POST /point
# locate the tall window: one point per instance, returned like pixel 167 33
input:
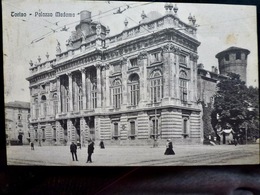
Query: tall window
pixel 36 107
pixel 134 89
pixel 185 126
pixel 156 86
pixel 54 134
pixel 155 126
pixel 80 99
pixel 55 104
pixel 43 134
pixel 183 86
pixel 133 62
pixel 227 57
pixel 94 95
pixel 44 107
pixel 132 129
pixel 182 59
pixel 117 93
pixel 238 56
pixel 67 100
pixel 116 132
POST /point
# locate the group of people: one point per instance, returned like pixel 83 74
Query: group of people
pixel 73 150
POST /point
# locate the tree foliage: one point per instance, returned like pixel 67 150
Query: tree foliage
pixel 235 103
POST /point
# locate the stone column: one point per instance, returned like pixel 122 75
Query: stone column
pixel 70 92
pixel 98 68
pixel 84 98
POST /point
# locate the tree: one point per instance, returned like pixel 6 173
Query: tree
pixel 232 103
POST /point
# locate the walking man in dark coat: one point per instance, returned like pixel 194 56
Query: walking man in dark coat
pixel 73 150
pixel 90 150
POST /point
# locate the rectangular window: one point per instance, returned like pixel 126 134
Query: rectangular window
pixel 132 128
pixel 94 99
pixel 44 109
pixel 133 62
pixel 117 97
pixel 182 59
pixel 238 56
pixel 183 90
pixel 155 57
pixel 43 133
pixel 55 106
pixel 156 90
pixel 116 132
pixel 54 133
pixel 134 90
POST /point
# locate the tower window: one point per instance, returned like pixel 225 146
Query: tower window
pixel 238 56
pixel 227 57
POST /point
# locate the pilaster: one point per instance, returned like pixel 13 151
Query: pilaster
pixel 107 96
pixel 58 94
pixel 98 68
pixel 124 82
pixel 143 58
pixel 88 91
pixel 83 78
pixel 70 92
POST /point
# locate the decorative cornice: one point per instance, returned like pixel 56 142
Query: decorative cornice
pixel 143 55
pixel 171 48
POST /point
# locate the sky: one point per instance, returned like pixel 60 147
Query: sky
pixel 26 38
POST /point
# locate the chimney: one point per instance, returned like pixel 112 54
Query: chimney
pixel 212 68
pixel 85 16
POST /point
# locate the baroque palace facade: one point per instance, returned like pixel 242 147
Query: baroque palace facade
pixel 135 86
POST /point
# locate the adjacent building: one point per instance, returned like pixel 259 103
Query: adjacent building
pixel 17 116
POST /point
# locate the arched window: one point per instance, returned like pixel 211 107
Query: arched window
pixel 80 99
pixel 183 86
pixel 55 103
pixel 156 86
pixel 117 93
pixel 44 106
pixel 134 88
pixel 36 108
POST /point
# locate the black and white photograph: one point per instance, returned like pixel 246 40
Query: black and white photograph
pixel 121 83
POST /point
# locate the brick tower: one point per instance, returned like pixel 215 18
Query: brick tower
pixel 233 59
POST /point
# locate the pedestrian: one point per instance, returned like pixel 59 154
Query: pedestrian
pixel 73 150
pixel 32 145
pixel 90 150
pixel 169 150
pixel 102 145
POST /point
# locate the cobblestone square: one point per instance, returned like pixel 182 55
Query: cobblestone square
pixel 186 155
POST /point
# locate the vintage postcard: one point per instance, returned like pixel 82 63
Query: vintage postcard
pixel 106 83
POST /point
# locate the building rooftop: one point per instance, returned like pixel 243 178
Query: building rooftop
pixel 232 49
pixel 18 104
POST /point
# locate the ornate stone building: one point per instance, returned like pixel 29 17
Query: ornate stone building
pixel 127 88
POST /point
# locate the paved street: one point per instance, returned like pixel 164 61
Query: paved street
pixel 135 155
